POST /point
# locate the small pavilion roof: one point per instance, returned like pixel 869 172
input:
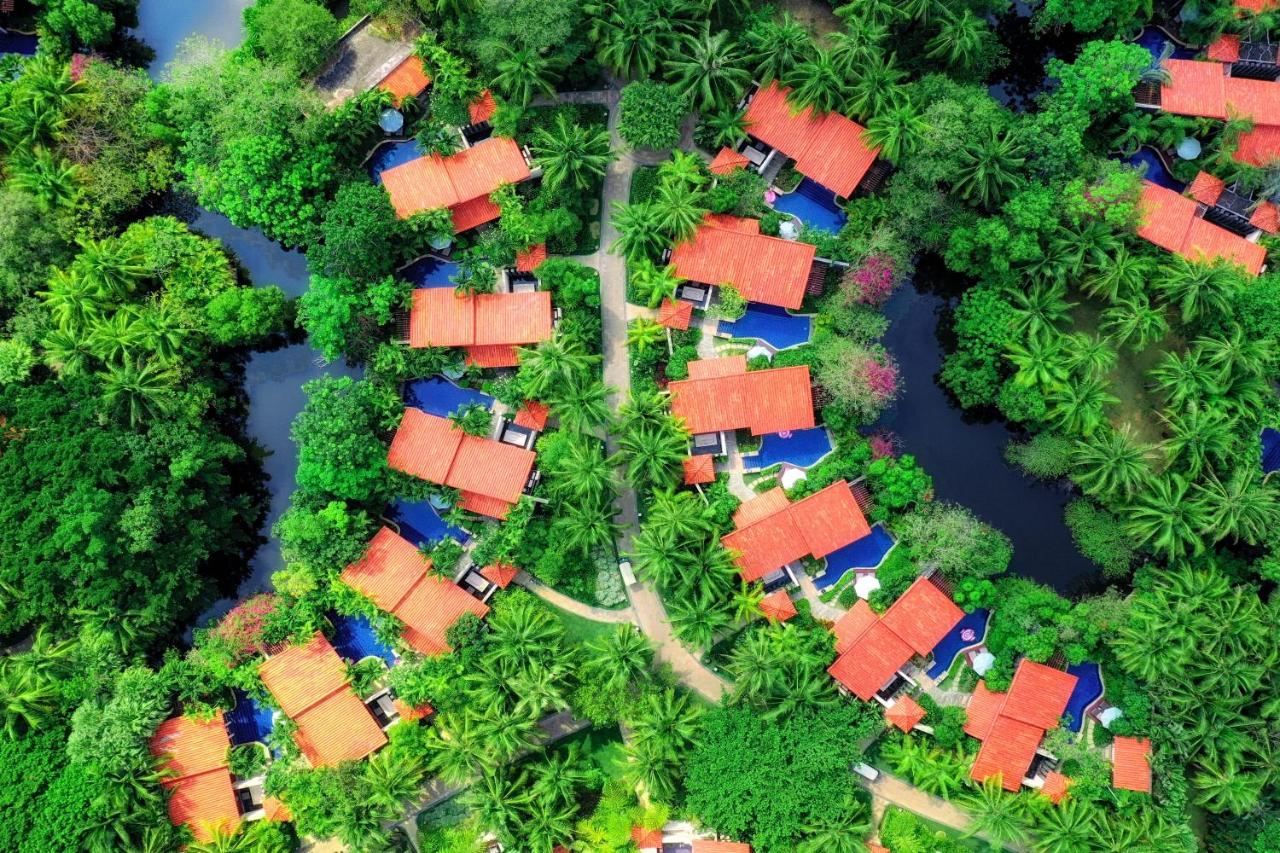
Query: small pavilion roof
pixel 501 574
pixel 763 401
pixel 1055 786
pixel 482 108
pixel 533 415
pixel 645 839
pixel 699 470
pixel 1131 764
pixel 905 713
pixel 707 845
pixel 1226 48
pixel 816 525
pixel 407 79
pixel 675 314
pixel 1206 188
pixel 1267 217
pixel 412 713
pixel 433 182
pixel 531 258
pixel 726 160
pixel 777 606
pixel 762 268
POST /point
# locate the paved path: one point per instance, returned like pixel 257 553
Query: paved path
pixel 573 605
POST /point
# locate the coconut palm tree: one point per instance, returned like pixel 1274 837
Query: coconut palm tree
pixel 28 699
pixel 456 748
pixel 548 822
pixel 393 776
pixel 1164 517
pixel 72 301
pixel 1042 309
pixel 552 364
pixel 1226 786
pixel 697 619
pixel 998 815
pixel 112 267
pixel 1080 246
pixel 506 734
pixel 39 103
pixel 520 634
pixel 668 719
pixel 1198 435
pixel 653 454
pixel 160 331
pixel 1118 275
pixel 1238 353
pixel 839 831
pixel 621 658
pixel 1243 507
pixel 585 526
pixel 653 283
pixel 679 210
pixel 680 512
pixel 683 168
pixel 643 407
pixel 640 236
pixel 112 339
pixel 1090 355
pixel 652 768
pixel 961 40
pixel 1185 379
pixel 522 73
pixel 1198 289
pixel 708 69
pixel 1134 322
pixel 920 11
pixel 1111 463
pixel 1066 828
pixel 876 87
pixel 988 169
pixel 860 43
pixel 53 181
pixel 1079 406
pixel 898 131
pixel 582 404
pixel 643 334
pixel 753 663
pixel 1040 362
pixel 498 798
pixel 571 155
pixel 142 389
pixel 746 601
pixel 541 688
pixel 628 38
pixel 726 128
pixel 774 49
pixel 660 556
pixel 818 82
pixel 881 12
pixel 581 473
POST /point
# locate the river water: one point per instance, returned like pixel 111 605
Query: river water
pixel 273 380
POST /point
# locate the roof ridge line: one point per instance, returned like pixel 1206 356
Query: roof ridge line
pixel 345 685
pixel 173 780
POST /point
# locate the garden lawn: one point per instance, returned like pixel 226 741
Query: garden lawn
pixel 578 629
pixel 958 839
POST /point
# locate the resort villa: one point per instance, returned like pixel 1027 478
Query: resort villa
pixel 202 792
pixel 1012 725
pixel 874 649
pixel 460 182
pixel 1131 764
pixel 772 534
pixel 397 578
pixel 1190 226
pixel 721 396
pixel 488 326
pixel 490 475
pixel 311 685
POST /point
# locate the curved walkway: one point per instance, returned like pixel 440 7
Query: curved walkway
pixel 573 605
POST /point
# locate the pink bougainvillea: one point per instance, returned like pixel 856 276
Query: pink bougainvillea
pixel 883 444
pixel 78 63
pixel 882 378
pixel 872 282
pixel 241 629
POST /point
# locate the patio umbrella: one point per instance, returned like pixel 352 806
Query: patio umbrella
pixel 1189 148
pixel 391 121
pixel 791 475
pixel 759 350
pixel 982 662
pixel 865 585
pixel 1109 716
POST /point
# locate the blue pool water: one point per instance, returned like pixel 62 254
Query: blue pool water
pixel 969 630
pixel 1153 40
pixel 1153 169
pixel 430 271
pixel 436 395
pixel 353 638
pixel 802 448
pixel 421 523
pixel 248 721
pixel 770 324
pixel 1088 688
pixel 390 154
pixel 18 43
pixel 814 205
pixel 865 553
pixel 1270 450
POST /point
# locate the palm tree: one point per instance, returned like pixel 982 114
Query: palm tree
pixel 1185 379
pixel 1198 434
pixel 1078 407
pixel 679 210
pixel 1238 353
pixel 393 776
pixel 997 815
pixel 522 73
pixel 112 267
pixel 582 404
pixel 726 128
pixel 1090 355
pixel 585 526
pixel 1164 517
pixel 1065 829
pixel 746 601
pixel 1079 246
pixel 685 168
pixel 653 454
pixel 570 154
pixel 660 555
pixel 818 82
pixel 112 339
pixel 840 831
pixel 639 233
pixel 697 619
pixel 988 170
pixel 552 364
pixel 141 388
pixel 861 43
pixel 1042 308
pixel 621 658
pixel 1197 289
pixel 50 179
pixel 653 283
pixel 680 512
pixel 1134 322
pixel 581 472
pixel 1117 276
pixel 41 102
pixel 72 301
pixel 774 49
pixel 961 40
pixel 753 663
pixel 1243 507
pixel 506 734
pixel 628 38
pixel 1111 463
pixel 643 407
pixel 161 332
pixel 1040 363
pixel 668 719
pixel 28 700
pixel 498 799
pixel 898 131
pixel 876 87
pixel 520 634
pixel 708 69
pixel 651 768
pixel 920 11
pixel 643 334
pixel 881 12
pixel 1226 786
pixel 541 688
pixel 548 822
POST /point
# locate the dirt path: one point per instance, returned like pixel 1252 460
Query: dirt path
pixel 573 605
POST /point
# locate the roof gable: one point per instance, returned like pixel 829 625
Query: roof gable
pixel 388 570
pixel 301 676
pixel 922 615
pixel 764 401
pixel 1173 222
pixel 407 78
pixel 1038 694
pixel 761 268
pixel 440 317
pixel 778 606
pixel 905 713
pixel 870 661
pixel 433 182
pixel 853 624
pixel 192 747
pixel 1007 752
pixel 813 526
pixel 433 449
pixel 1131 764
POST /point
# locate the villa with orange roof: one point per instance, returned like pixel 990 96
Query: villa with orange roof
pixel 1131 764
pixel 394 575
pixel 1012 725
pixel 490 475
pixel 773 534
pixel 874 649
pixel 721 395
pixel 312 688
pixel 460 182
pixel 1179 224
pixel 489 326
pixel 729 250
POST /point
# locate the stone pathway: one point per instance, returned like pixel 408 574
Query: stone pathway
pixel 573 605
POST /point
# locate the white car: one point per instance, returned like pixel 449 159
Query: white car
pixel 628 576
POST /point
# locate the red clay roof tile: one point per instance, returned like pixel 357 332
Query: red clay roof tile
pixel 406 79
pixel 1206 189
pixel 922 615
pixel 905 713
pixel 482 108
pixel 983 708
pixel 205 803
pixel 707 845
pixel 870 661
pixel 434 182
pixel 763 401
pixel 1266 217
pixel 441 317
pixel 1131 764
pixel 646 838
pixel 501 574
pixel 853 624
pixel 1036 700
pixel 813 526
pixel 762 268
pixel 1007 752
pixel 412 713
pixel 777 606
pixel 675 314
pixel 726 160
pixel 761 506
pixel 1055 786
pixel 699 470
pixel 533 415
pixel 390 567
pixel 531 258
pixel 484 505
pixel 202 796
pixel 1038 694
pixel 1226 48
pixel 1172 222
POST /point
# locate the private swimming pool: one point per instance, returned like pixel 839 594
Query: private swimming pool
pixel 248 721
pixel 800 447
pixel 421 524
pixel 436 395
pixel 390 154
pixel 814 205
pixel 430 271
pixel 969 630
pixel 1154 170
pixel 1088 689
pixel 1154 38
pixel 354 639
pixel 773 325
pixel 865 553
pixel 1270 450
pixel 19 43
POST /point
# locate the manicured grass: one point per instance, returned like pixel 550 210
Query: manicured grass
pixel 954 835
pixel 580 630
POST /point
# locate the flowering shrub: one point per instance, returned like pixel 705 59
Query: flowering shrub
pixel 872 283
pixel 883 444
pixel 242 629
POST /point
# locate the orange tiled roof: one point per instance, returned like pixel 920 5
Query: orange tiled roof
pixel 876 848
pixel 707 845
pixel 201 795
pixel 474 213
pixel 441 317
pixel 675 314
pixel 501 574
pixel 1256 6
pixel 275 810
pixel 1172 222
pixel 762 268
pixel 309 682
pixel 398 579
pixel 1194 88
pixel 763 401
pixel 484 505
pixel 870 657
pixel 406 79
pixel 1131 764
pixel 531 258
pixel 493 355
pixel 533 415
pixel 433 182
pixel 726 160
pixel 1205 89
pixel 829 149
pixel 905 713
pixel 433 449
pixel 1206 189
pixel 645 838
pixel 1055 786
pixel 1266 217
pixel 777 606
pixel 699 470
pixel 412 713
pixel 1225 49
pixel 1260 146
pixel 483 107
pixel 761 506
pixel 813 526
pixel 1035 702
pixel 714 368
pixel 853 624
